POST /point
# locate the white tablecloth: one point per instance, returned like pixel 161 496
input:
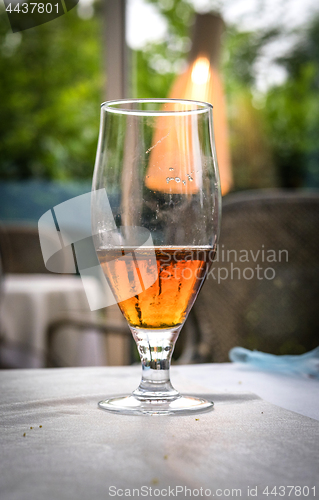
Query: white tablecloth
pixel 57 445
pixel 292 392
pixel 29 303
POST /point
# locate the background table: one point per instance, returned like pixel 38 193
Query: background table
pixel 29 303
pixel 75 450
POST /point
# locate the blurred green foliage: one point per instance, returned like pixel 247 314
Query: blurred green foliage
pixel 158 63
pixel 292 111
pixel 50 86
pixel 52 80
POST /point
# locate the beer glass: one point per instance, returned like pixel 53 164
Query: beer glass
pixel 157 238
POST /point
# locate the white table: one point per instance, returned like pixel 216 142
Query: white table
pixel 30 302
pixel 75 450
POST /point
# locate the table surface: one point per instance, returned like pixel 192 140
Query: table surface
pixel 56 443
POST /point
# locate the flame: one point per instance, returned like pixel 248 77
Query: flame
pixel 200 82
pixel 174 157
pixel 201 71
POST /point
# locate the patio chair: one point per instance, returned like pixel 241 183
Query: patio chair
pixel 21 250
pixel 83 324
pixel 273 308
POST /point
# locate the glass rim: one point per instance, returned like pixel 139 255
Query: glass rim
pixel 202 107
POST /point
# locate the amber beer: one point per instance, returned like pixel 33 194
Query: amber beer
pixel 165 304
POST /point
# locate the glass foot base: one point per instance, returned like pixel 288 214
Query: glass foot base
pixel 182 405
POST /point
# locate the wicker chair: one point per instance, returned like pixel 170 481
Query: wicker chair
pixel 21 249
pixel 273 308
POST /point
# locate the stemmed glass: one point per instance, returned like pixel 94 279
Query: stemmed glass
pixel 156 236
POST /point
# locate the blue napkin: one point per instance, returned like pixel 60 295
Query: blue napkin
pixel 305 364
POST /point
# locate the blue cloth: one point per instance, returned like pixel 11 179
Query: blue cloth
pixel 305 364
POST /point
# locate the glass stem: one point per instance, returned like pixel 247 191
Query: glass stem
pixel 155 348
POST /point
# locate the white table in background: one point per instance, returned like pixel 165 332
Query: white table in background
pixel 30 302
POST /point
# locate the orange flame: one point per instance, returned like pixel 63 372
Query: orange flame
pixel 175 153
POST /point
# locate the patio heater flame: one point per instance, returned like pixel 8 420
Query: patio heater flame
pixel 200 82
pixel 200 71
